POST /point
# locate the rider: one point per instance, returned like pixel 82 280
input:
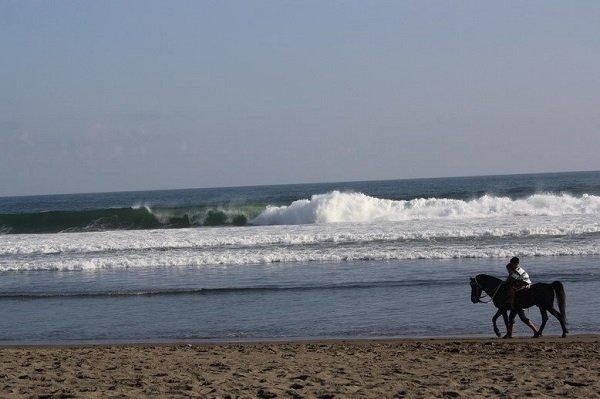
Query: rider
pixel 518 279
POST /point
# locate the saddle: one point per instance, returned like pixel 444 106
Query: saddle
pixel 515 288
pixel 520 285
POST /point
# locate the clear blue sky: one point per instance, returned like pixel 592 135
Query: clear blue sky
pixel 129 95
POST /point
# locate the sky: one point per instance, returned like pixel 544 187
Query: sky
pixel 120 95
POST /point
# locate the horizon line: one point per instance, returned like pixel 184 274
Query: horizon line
pixel 294 184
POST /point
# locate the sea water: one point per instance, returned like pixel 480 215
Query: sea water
pixel 331 260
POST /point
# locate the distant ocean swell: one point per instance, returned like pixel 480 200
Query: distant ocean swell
pixel 332 207
pixel 226 290
pixel 298 286
pixel 136 217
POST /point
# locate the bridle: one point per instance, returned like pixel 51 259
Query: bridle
pixel 484 294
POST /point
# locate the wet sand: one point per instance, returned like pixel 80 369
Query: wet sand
pixel 451 368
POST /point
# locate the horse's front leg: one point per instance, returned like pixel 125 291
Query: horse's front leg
pixel 496 329
pixel 505 317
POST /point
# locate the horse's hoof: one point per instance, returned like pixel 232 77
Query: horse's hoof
pixel 537 335
pixel 564 335
pixel 498 334
pixel 507 336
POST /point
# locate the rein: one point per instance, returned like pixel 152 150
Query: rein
pixel 485 293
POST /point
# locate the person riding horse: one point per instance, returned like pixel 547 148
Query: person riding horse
pixel 517 293
pixel 517 280
pixel 541 295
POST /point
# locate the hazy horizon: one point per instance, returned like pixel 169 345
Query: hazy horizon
pixel 144 95
pixel 302 183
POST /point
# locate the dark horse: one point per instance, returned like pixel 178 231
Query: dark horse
pixel 539 294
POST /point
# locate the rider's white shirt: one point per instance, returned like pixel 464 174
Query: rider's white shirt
pixel 521 275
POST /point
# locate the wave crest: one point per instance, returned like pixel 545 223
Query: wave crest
pixel 335 207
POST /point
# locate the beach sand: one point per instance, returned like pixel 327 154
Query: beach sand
pixel 451 368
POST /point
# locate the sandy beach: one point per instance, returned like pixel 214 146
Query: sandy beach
pixel 451 368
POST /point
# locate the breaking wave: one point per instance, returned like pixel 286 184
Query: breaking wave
pixel 338 206
pixel 331 207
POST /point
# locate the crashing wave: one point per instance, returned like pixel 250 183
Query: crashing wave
pixel 338 206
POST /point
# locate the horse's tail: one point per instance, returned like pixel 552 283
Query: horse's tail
pixel 561 299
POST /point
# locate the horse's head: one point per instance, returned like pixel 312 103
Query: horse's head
pixel 476 290
pixel 484 283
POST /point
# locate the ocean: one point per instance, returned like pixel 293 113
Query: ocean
pixel 376 259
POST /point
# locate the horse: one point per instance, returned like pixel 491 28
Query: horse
pixel 539 294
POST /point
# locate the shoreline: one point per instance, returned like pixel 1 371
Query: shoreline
pixel 585 337
pixel 372 368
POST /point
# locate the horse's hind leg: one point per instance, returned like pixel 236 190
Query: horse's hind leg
pixel 561 320
pixel 544 321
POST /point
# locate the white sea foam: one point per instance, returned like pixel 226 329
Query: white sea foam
pixel 286 255
pixel 297 235
pixel 357 207
pixel 413 239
